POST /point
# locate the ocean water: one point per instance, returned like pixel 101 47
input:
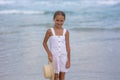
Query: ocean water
pixel 94 37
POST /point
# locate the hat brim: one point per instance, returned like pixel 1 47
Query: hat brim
pixel 49 71
pixel 52 70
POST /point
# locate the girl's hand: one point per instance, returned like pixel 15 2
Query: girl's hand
pixel 50 57
pixel 68 64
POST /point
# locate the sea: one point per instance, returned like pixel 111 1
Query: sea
pixel 94 27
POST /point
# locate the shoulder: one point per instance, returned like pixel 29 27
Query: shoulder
pixel 49 31
pixel 66 31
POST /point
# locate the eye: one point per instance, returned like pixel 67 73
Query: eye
pixel 57 20
pixel 61 20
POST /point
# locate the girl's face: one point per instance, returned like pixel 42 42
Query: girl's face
pixel 59 20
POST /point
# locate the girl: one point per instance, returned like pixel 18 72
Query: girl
pixel 59 51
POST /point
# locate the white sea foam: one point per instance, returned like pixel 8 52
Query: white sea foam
pixel 4 2
pixel 20 12
pixel 108 2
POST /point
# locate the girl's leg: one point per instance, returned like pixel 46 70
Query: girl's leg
pixel 62 76
pixel 56 76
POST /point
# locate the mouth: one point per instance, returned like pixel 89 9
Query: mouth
pixel 59 24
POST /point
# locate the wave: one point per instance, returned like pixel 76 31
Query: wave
pixel 8 32
pixel 108 2
pixel 55 5
pixel 21 12
pixel 29 12
pixel 95 29
pixel 4 2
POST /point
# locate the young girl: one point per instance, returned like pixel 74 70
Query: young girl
pixel 59 51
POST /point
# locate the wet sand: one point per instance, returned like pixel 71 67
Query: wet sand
pixel 94 54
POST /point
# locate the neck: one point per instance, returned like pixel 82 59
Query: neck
pixel 56 27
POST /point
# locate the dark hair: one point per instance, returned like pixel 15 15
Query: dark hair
pixel 59 13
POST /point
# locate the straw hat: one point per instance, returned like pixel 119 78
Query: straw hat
pixel 49 71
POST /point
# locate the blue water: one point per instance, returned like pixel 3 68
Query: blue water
pixel 94 37
pixel 80 13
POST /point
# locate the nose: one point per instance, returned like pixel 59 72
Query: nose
pixel 59 22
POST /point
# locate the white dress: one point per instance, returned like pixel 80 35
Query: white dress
pixel 59 53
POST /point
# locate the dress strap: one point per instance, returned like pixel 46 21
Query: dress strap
pixel 53 32
pixel 64 31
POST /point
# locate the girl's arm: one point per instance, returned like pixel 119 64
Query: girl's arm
pixel 68 49
pixel 47 35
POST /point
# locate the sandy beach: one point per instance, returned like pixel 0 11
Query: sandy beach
pixel 94 55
